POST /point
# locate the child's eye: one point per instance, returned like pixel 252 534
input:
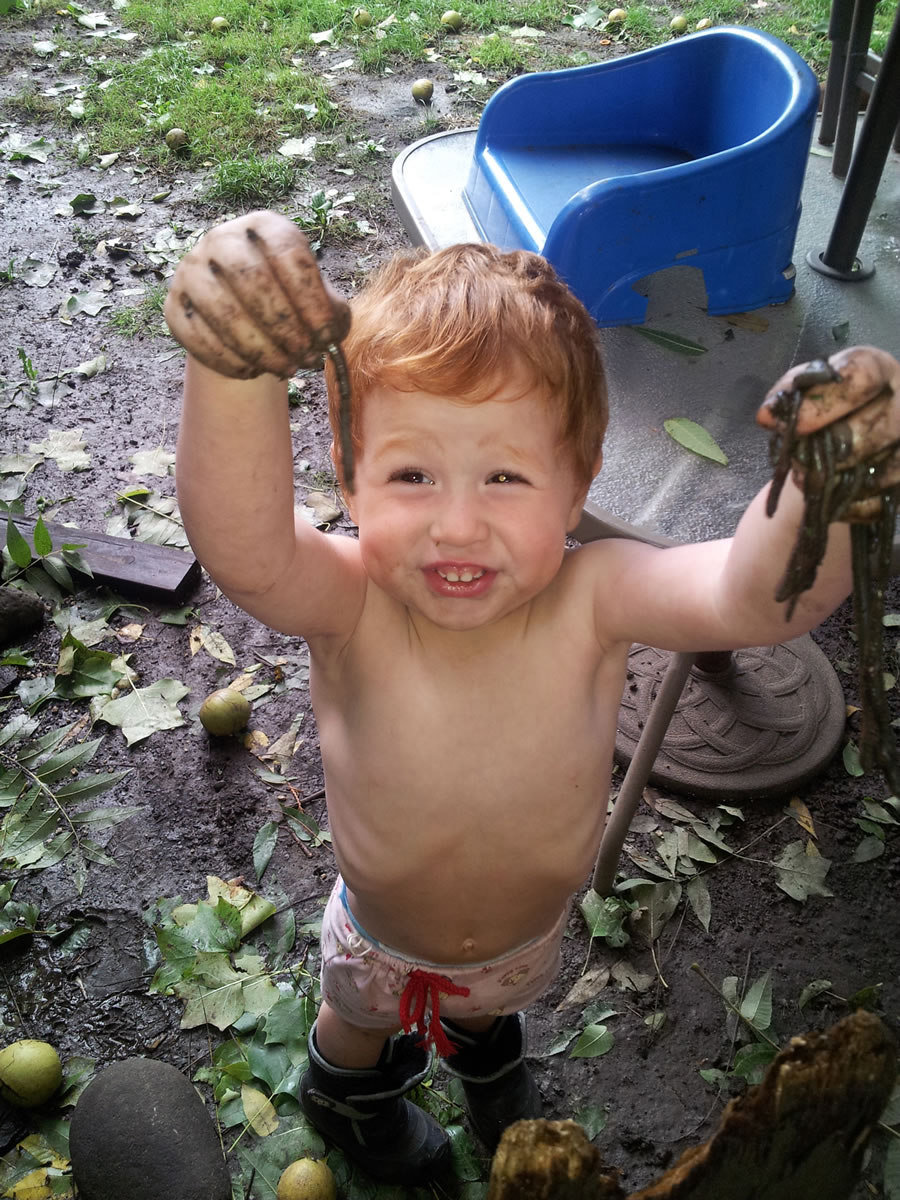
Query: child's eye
pixel 410 475
pixel 505 477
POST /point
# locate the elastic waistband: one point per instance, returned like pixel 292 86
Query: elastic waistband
pixel 452 969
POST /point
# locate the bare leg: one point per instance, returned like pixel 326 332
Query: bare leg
pixel 348 1046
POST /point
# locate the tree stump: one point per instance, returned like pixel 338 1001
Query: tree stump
pixel 801 1132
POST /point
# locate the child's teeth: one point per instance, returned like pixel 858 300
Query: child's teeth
pixel 461 576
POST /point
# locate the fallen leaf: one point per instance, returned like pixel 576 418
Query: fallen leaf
pixel 802 815
pixel 143 711
pixel 91 303
pixel 629 978
pixel 66 447
pixel 670 341
pixel 93 20
pixel 801 873
pixel 586 988
pixel 695 438
pixel 204 638
pixel 36 273
pixel 153 462
pixel 92 367
pixel 594 1041
pixel 38 150
pixel 298 147
pixel 130 633
pixel 698 897
pixel 120 207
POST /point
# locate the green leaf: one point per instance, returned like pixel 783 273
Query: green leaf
pixel 698 898
pixel 868 849
pixel 263 846
pixel 656 904
pixel 756 1006
pixel 800 873
pixel 815 988
pixel 74 559
pixel 605 917
pixel 877 812
pixel 18 548
pixel 592 1119
pixel 288 1022
pixel 43 543
pixel 560 1042
pixel 465 1157
pixel 751 1061
pixel 852 765
pixel 594 1041
pixel 144 710
pixel 105 818
pixel 670 341
pixel 89 786
pixel 695 438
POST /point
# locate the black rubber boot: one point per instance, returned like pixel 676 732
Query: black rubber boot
pixel 363 1112
pixel 499 1087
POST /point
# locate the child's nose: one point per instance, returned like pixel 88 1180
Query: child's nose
pixel 459 521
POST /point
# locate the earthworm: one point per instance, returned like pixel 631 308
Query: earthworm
pixel 829 493
pixel 346 413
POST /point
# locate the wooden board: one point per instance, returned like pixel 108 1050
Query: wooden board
pixel 130 566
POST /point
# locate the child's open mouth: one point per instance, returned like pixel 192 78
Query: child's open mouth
pixel 458 579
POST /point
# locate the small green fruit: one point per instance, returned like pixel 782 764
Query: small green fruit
pixel 617 16
pixel 423 90
pixel 678 24
pixel 362 18
pixel 224 712
pixel 306 1179
pixel 219 24
pixel 452 20
pixel 30 1073
pixel 176 138
pixel 704 23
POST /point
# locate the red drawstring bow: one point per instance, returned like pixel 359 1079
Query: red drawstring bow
pixel 424 988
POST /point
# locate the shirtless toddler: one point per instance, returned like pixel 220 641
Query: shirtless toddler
pixel 466 668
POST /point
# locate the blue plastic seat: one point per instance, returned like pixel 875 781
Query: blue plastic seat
pixel 692 153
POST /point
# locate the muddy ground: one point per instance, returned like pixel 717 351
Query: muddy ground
pixel 202 800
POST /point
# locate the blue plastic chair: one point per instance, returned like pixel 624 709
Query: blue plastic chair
pixel 692 153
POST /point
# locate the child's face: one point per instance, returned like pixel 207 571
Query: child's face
pixel 463 508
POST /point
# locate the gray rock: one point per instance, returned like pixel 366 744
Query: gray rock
pixel 141 1132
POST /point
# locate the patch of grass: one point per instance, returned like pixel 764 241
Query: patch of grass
pixel 145 317
pixel 226 109
pixel 251 181
pixel 239 92
pixel 503 54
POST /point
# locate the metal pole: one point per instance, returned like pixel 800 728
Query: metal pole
pixel 868 160
pixel 638 772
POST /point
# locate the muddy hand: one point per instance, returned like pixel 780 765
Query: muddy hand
pixel 856 396
pixel 249 299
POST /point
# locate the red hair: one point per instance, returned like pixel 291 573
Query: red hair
pixel 459 322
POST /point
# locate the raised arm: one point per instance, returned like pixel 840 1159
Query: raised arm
pixel 721 594
pixel 250 307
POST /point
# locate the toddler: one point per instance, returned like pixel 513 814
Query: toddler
pixel 466 668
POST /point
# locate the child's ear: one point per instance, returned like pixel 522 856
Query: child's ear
pixel 581 495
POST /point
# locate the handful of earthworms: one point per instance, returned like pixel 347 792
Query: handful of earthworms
pixel 859 495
